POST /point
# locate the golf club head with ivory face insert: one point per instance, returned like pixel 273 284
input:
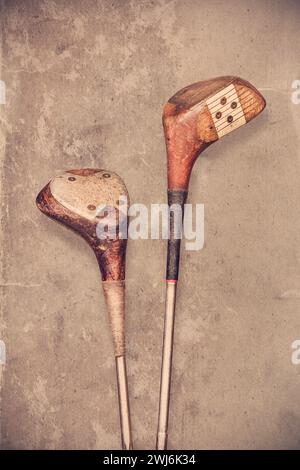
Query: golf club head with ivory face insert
pixel 74 197
pixel 200 114
pixel 85 200
pixel 194 118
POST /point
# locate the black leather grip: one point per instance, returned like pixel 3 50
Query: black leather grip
pixel 176 198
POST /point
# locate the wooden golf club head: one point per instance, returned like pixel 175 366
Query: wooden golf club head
pixel 86 200
pixel 200 114
pixel 74 198
pixel 193 118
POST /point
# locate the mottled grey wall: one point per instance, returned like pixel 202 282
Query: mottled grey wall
pixel 86 82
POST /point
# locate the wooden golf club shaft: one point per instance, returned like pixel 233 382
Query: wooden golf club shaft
pixel 72 198
pixel 125 423
pixel 176 201
pixel 194 118
pixel 114 293
pixel 166 367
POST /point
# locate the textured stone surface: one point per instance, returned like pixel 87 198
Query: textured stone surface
pixel 86 82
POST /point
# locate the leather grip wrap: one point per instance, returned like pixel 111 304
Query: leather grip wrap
pixel 176 201
pixel 114 293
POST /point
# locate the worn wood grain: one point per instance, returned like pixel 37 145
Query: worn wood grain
pixel 190 125
pixel 110 253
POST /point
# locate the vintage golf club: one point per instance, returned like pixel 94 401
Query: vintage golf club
pixel 194 118
pixel 94 203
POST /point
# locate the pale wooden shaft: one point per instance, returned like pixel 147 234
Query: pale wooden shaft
pixel 114 293
pixel 166 367
pixel 126 436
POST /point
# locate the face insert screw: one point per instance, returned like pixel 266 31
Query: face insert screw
pixel 106 175
pixel 71 178
pixel 218 115
pixel 91 207
pixel 233 104
pixel 223 100
pixel 230 119
pixel 102 215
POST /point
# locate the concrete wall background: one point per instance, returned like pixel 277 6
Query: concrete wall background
pixel 86 82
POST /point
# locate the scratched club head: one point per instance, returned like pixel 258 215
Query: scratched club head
pixel 202 113
pixel 194 118
pixel 86 200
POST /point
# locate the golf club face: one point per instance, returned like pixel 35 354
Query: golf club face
pixel 87 200
pixel 200 114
